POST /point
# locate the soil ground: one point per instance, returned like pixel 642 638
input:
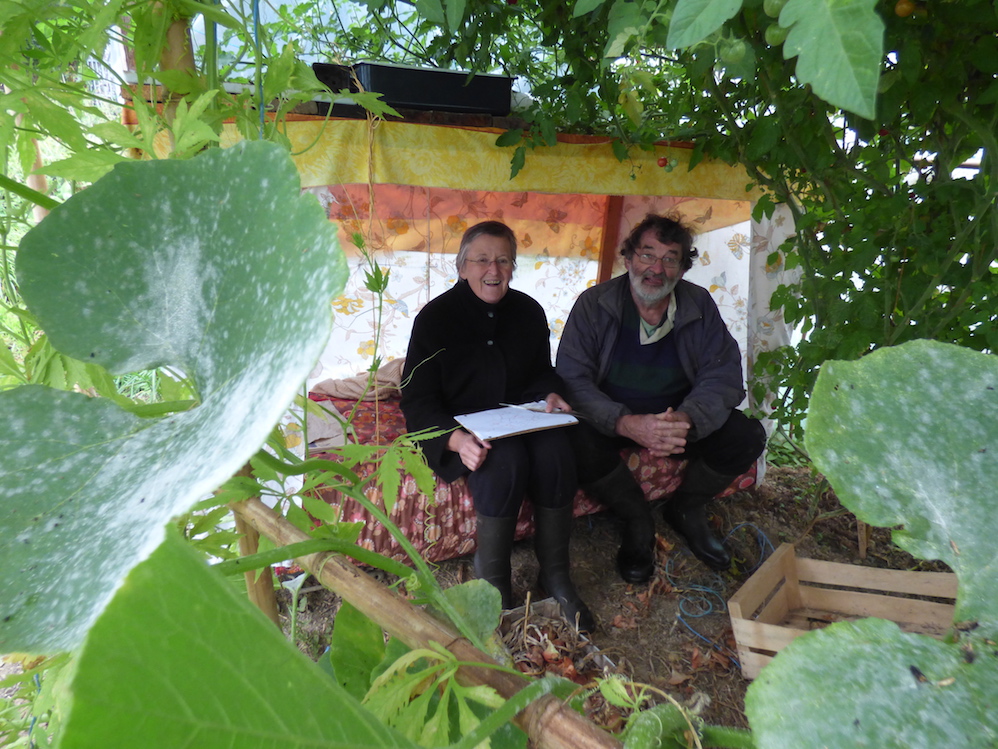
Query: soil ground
pixel 674 632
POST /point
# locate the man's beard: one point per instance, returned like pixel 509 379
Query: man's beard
pixel 653 295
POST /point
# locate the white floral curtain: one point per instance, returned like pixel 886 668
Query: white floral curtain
pixel 557 260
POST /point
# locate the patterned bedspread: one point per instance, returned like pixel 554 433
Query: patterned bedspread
pixel 443 526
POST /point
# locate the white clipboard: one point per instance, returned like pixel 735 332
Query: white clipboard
pixel 512 419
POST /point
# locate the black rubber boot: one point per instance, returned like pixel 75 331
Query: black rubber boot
pixel 686 512
pixel 620 493
pixel 495 544
pixel 553 530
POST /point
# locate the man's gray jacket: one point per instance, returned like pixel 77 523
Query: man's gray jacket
pixel 707 351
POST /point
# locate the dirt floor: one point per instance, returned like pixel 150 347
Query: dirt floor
pixel 674 632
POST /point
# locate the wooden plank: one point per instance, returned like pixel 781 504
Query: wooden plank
pixel 781 601
pixel 769 637
pixel 934 584
pixel 854 604
pixel 747 599
pixel 792 576
pixel 259 583
pixel 799 619
pixel 777 608
pixel 753 663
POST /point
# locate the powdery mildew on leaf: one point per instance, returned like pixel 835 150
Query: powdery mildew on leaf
pixel 904 435
pixel 216 266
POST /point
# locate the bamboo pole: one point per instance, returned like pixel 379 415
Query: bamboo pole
pixel 548 722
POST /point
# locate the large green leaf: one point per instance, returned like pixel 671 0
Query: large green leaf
pixel 868 684
pixel 216 266
pixel 355 650
pixel 840 47
pixel 180 658
pixel 906 436
pixel 625 22
pixel 694 20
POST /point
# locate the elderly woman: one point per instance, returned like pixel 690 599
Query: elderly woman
pixel 474 347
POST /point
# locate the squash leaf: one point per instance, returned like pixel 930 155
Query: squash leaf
pixel 216 267
pixel 905 435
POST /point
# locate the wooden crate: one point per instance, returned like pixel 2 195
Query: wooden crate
pixel 789 595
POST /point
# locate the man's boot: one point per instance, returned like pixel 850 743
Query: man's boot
pixel 553 529
pixel 686 512
pixel 492 563
pixel 620 493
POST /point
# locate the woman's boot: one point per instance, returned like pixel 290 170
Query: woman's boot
pixel 495 544
pixel 553 530
pixel 620 493
pixel 686 512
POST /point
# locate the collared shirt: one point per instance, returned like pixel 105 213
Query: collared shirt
pixel 652 334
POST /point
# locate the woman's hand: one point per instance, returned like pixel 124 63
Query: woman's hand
pixel 556 403
pixel 469 448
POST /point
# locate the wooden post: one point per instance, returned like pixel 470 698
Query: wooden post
pixel 548 722
pixel 259 583
pixel 608 247
pixel 862 537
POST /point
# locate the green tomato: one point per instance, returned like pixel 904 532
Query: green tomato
pixel 734 51
pixel 772 8
pixel 776 34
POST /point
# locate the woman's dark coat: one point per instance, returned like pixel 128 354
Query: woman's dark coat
pixel 467 355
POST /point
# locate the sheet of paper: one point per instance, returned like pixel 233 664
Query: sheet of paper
pixel 507 421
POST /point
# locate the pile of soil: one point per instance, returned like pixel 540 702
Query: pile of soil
pixel 674 632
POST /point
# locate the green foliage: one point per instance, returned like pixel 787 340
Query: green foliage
pixel 187 299
pixel 853 116
pixel 844 37
pixel 145 680
pixel 659 726
pixel 186 294
pixel 874 432
pixel 355 650
pixel 30 718
pixel 419 696
pixel 893 248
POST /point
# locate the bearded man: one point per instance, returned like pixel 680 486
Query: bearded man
pixel 647 360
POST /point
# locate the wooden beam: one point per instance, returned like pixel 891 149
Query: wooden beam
pixel 259 583
pixel 611 228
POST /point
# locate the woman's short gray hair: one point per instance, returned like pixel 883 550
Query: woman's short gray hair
pixel 492 228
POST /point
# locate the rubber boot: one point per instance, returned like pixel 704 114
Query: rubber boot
pixel 553 530
pixel 620 493
pixel 686 512
pixel 495 544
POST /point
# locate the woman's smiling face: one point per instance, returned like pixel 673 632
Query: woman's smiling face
pixel 488 267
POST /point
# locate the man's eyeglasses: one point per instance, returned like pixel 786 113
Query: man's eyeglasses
pixel 484 262
pixel 668 261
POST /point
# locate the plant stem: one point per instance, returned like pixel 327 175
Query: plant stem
pixel 728 738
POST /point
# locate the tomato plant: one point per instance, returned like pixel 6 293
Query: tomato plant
pixel 772 8
pixel 733 50
pixel 776 34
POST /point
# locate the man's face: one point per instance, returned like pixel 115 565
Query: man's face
pixel 654 268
